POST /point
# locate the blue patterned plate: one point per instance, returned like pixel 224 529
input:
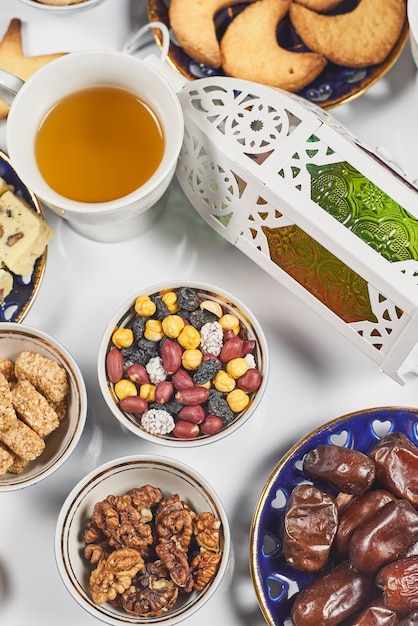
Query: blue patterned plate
pixel 25 288
pixel 334 86
pixel 275 582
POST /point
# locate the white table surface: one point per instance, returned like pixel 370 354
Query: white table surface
pixel 315 375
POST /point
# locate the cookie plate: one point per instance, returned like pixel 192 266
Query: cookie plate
pixel 275 582
pixel 334 86
pixel 25 288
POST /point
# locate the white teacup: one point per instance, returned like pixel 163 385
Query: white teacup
pixel 114 220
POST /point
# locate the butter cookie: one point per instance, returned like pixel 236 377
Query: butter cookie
pixel 249 49
pixel 362 37
pixel 192 22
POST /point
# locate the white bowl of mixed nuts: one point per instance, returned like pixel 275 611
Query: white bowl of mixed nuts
pixel 141 540
pixel 183 364
pixel 43 405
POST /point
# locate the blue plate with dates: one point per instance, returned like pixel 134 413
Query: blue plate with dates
pixel 334 86
pixel 275 582
pixel 25 288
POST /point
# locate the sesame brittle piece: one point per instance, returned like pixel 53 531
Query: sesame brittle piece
pixel 7 412
pixel 6 459
pixel 33 408
pixel 7 368
pixel 46 375
pixel 22 440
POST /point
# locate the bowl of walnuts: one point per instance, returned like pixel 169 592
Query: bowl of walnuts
pixel 183 364
pixel 142 539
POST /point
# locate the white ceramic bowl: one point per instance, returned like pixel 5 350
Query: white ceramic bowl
pixel 62 9
pixel 118 477
pixel 412 10
pixel 14 339
pixel 230 305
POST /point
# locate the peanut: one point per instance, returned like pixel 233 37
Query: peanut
pixel 133 404
pixel 138 374
pixel 164 391
pixel 251 380
pixel 211 425
pixel 182 380
pixel 212 306
pixel 114 365
pixel 185 430
pixel 171 354
pixel 192 413
pixel 194 395
pixel 232 349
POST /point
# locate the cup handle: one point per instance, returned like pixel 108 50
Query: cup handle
pixel 9 86
pixel 173 77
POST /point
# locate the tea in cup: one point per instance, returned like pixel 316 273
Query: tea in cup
pixel 96 136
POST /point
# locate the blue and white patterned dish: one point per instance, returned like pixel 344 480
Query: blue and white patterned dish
pixel 25 288
pixel 275 582
pixel 334 86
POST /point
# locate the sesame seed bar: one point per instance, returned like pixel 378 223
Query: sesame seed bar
pixel 46 375
pixel 23 441
pixel 7 412
pixel 7 368
pixel 6 459
pixel 33 408
pixel 18 466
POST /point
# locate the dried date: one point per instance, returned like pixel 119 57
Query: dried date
pixel 349 471
pixel 411 619
pixel 333 597
pixel 396 462
pixel 399 581
pixel 376 614
pixel 359 511
pixel 310 525
pixel 385 537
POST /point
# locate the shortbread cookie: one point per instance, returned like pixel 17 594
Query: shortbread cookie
pixel 362 37
pixel 193 24
pixel 13 60
pixel 249 49
pixel 322 6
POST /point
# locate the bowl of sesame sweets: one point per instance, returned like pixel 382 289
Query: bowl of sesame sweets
pixel 183 364
pixel 166 566
pixel 43 405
